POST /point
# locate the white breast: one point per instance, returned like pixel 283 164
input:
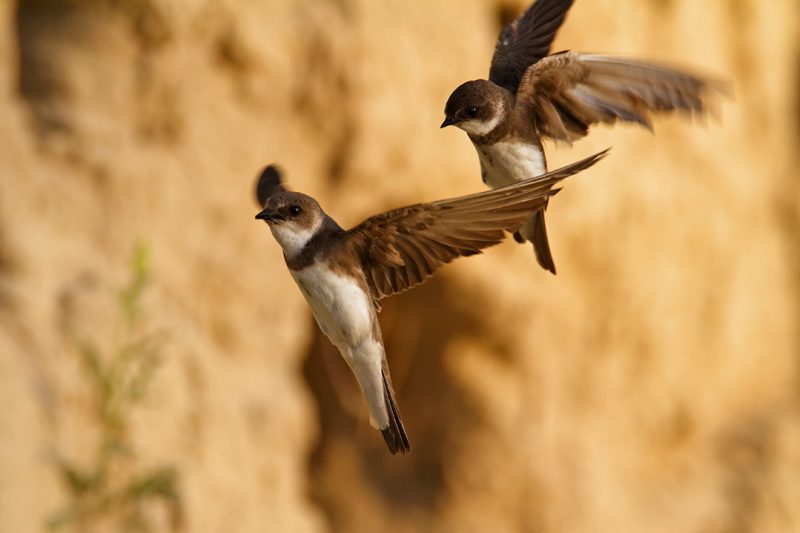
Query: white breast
pixel 504 163
pixel 341 307
pixel 345 314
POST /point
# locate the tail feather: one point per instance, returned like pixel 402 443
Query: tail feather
pixel 535 231
pixel 541 246
pixel 395 434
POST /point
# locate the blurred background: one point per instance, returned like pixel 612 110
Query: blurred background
pixel 159 371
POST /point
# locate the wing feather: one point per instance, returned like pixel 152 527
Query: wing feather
pixel 568 92
pixel 402 248
pixel 525 41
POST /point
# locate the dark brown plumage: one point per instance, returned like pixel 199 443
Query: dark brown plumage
pixel 268 183
pixel 342 274
pixel 531 95
pixel 401 248
pixel 395 435
pixel 566 93
pixel 525 41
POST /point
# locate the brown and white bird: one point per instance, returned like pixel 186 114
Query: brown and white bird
pixel 343 273
pixel 531 95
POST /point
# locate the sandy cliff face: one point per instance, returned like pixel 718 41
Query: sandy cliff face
pixel 651 386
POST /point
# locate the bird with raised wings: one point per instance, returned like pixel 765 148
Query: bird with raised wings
pixel 531 95
pixel 343 273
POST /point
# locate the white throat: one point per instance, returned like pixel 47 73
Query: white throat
pixel 292 237
pixel 479 128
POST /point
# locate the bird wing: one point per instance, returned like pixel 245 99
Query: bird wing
pixel 402 248
pixel 568 92
pixel 268 183
pixel 525 41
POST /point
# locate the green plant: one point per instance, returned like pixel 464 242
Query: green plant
pixel 114 487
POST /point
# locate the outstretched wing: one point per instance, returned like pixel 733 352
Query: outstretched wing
pixel 525 41
pixel 568 92
pixel 402 248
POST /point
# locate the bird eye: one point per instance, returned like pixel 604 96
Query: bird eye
pixel 472 112
pixel 294 210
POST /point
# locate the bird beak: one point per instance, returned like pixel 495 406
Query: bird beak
pixel 266 216
pixel 448 121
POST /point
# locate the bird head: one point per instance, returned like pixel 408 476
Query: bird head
pixel 294 218
pixel 476 107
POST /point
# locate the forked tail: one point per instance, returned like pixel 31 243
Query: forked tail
pixel 395 434
pixel 535 231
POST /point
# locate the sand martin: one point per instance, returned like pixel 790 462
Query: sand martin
pixel 531 95
pixel 344 273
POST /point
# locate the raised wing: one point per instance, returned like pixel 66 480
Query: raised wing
pixel 402 248
pixel 525 41
pixel 568 92
pixel 268 183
